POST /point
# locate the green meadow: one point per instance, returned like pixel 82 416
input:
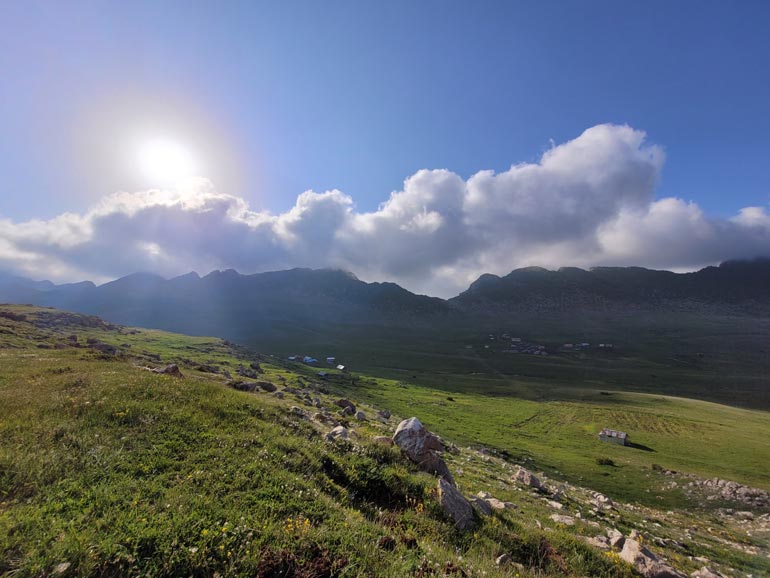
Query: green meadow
pixel 108 469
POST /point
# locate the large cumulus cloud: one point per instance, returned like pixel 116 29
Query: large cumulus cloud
pixel 590 201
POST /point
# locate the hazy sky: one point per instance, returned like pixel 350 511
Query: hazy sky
pixel 617 133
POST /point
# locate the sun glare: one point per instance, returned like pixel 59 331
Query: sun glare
pixel 166 162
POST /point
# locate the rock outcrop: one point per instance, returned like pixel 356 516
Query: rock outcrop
pixel 647 563
pixel 527 478
pixel 346 403
pixel 455 506
pixel 338 433
pixel 422 447
pixel 171 369
pixel 266 386
pixel 616 538
pixel 733 492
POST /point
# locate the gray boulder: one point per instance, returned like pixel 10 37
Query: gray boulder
pixel 480 505
pixel 616 539
pixel 562 519
pixel 600 542
pixel 455 506
pixel 266 386
pixel 647 563
pixel 422 447
pixel 343 403
pixel 338 433
pixel 527 478
pixel 171 369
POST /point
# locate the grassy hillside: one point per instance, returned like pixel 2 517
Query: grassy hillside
pixel 108 469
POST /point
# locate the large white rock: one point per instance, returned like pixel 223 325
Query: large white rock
pixel 616 538
pixel 422 447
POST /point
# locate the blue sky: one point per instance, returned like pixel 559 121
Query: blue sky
pixel 275 98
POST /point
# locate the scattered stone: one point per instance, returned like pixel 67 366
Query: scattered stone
pixel 61 568
pixel 734 492
pixel 339 432
pixel 246 372
pixel 555 505
pixel 298 411
pixel 524 476
pixel 561 519
pixel 343 403
pixel 600 542
pixel 481 506
pixel 361 415
pixel 347 410
pixel 707 572
pixel 266 386
pixel 494 503
pixel 105 348
pixel 171 369
pixel 384 414
pixel 503 559
pixel 455 506
pixel 645 562
pixel 279 395
pixel 422 447
pixel 325 419
pixel 616 538
pixel 702 559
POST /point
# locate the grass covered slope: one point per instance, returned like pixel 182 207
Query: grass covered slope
pixel 108 469
pixel 560 435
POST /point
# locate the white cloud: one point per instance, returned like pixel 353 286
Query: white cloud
pixel 587 202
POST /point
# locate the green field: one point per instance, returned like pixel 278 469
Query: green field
pixel 107 469
pixel 720 358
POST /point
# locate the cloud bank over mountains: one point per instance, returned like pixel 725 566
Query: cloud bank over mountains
pixel 590 201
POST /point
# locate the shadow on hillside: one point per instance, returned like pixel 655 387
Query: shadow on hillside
pixel 640 447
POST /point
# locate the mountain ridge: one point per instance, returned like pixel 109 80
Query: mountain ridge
pixel 301 300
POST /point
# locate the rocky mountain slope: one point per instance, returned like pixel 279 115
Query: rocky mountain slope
pixel 230 304
pixel 316 297
pixel 733 286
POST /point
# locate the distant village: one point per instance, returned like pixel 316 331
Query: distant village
pixel 331 362
pixel 507 343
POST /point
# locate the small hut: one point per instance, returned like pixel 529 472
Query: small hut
pixel 614 437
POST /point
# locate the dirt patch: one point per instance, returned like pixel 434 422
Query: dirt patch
pixel 286 564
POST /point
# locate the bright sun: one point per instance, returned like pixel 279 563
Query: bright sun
pixel 166 162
